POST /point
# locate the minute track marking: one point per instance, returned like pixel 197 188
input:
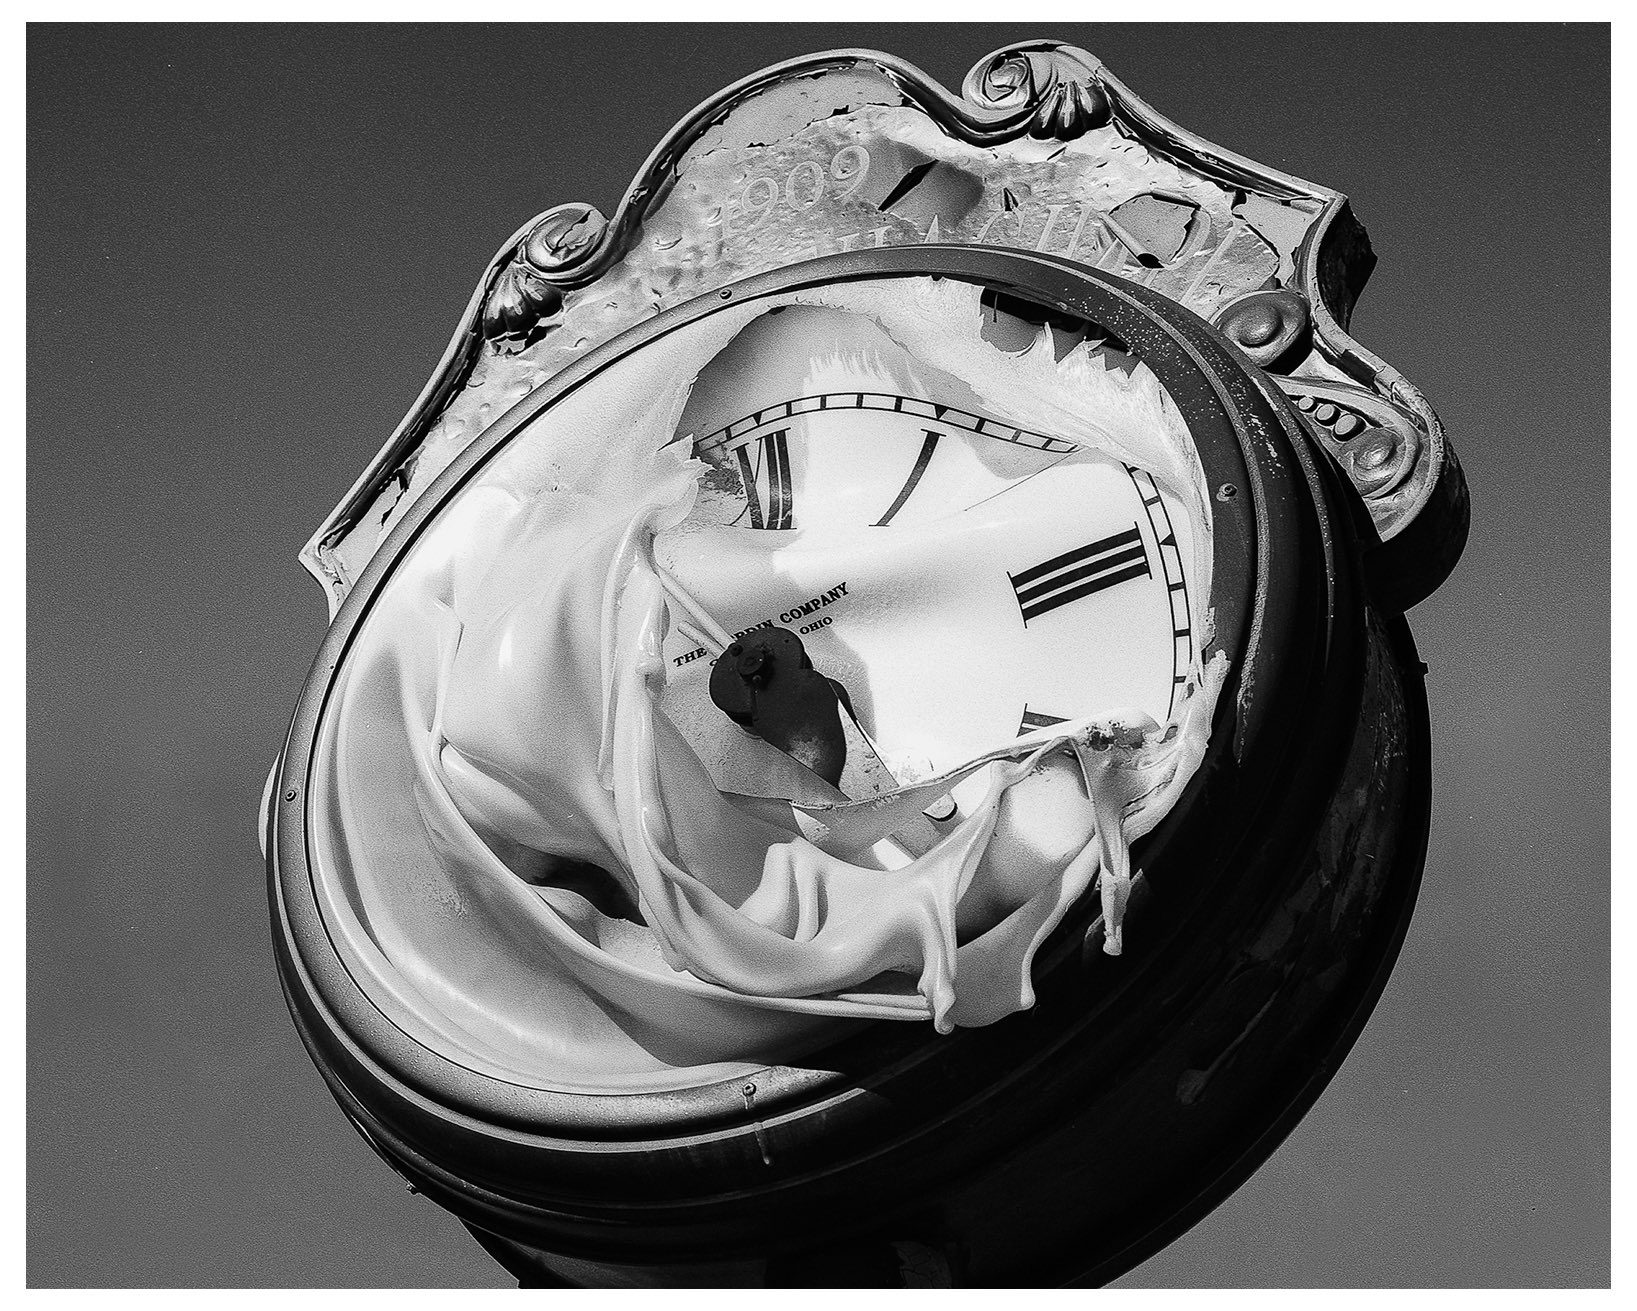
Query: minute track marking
pixel 745 430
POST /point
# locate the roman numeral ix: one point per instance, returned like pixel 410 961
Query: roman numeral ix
pixel 1079 573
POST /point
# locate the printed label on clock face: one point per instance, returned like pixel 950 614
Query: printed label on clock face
pixel 966 580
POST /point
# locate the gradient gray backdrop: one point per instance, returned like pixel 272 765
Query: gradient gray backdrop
pixel 247 249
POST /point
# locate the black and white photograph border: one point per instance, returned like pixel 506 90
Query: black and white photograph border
pixel 246 249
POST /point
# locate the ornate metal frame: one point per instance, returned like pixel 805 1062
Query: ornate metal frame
pixel 570 278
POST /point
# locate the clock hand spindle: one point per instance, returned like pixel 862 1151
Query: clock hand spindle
pixel 766 684
pixel 810 717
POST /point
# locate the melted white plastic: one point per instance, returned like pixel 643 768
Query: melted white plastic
pixel 503 700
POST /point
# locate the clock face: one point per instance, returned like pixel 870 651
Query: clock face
pixel 544 847
pixel 967 580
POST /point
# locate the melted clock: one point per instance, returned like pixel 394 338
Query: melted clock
pixel 544 848
pixel 967 580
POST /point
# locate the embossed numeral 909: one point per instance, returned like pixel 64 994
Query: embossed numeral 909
pixel 804 185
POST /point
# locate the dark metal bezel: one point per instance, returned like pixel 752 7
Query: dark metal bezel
pixel 1264 622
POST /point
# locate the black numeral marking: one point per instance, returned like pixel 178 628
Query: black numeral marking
pixel 775 454
pixel 1033 719
pixel 921 462
pixel 1079 573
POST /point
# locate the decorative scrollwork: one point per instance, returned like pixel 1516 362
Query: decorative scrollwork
pixel 1058 83
pixel 564 237
pixel 517 303
pixel 1042 89
pixel 1389 443
pixel 1376 443
pixel 529 288
pixel 1272 327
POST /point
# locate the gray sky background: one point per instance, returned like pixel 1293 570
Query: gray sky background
pixel 248 247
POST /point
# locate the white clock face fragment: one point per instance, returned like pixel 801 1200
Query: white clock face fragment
pixel 967 579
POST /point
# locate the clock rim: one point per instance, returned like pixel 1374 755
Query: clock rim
pixel 1252 582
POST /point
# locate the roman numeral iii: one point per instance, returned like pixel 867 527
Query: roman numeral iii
pixel 1080 573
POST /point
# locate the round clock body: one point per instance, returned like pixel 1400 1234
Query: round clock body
pixel 959 574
